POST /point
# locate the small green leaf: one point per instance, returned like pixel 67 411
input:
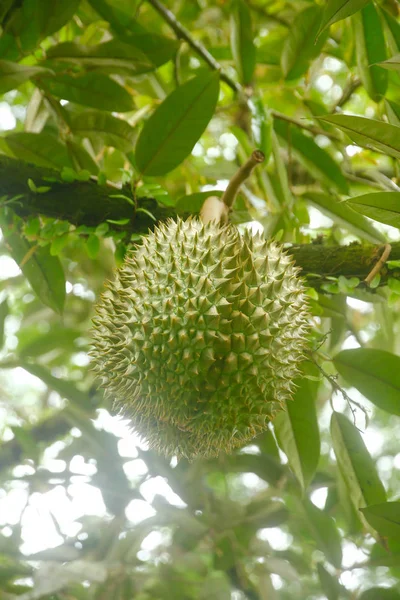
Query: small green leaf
pixel 370 50
pixel 41 149
pixel 43 271
pixel 13 74
pixel 330 585
pixel 344 216
pixel 393 112
pixel 300 46
pixel 298 434
pixel 242 43
pixel 316 160
pixel 325 533
pixel 118 221
pixel 58 244
pixel 368 133
pixel 374 373
pixel 171 132
pixel 336 10
pixel 355 463
pixel 90 89
pixel 92 246
pixel 380 206
pixel 385 518
pixel 3 316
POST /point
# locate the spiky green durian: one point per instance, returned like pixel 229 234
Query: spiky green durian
pixel 199 338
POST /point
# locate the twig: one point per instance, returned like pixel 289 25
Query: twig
pixel 184 34
pixel 337 388
pixel 381 263
pixel 240 176
pixel 311 128
pixel 348 91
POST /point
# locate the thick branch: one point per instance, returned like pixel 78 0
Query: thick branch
pixel 79 202
pixel 86 203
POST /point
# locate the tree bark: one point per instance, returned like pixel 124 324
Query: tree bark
pixel 87 203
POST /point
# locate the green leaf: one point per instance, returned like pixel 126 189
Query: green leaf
pixel 13 74
pixel 380 593
pixel 64 388
pixel 392 63
pixel 330 585
pixel 355 463
pixel 41 149
pixel 93 246
pixel 374 373
pixel 215 586
pixel 342 214
pixel 242 43
pixel 298 434
pixel 385 518
pixel 261 126
pixel 336 10
pixel 90 89
pixel 104 129
pixel 114 56
pixel 300 46
pixel 370 49
pixel 393 112
pixel 325 532
pixel 173 129
pixel 3 316
pixel 316 160
pixel 56 338
pixel 392 31
pixel 193 202
pixel 43 271
pixel 54 14
pixel 380 206
pixel 368 133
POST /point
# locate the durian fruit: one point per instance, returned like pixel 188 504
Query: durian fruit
pixel 199 338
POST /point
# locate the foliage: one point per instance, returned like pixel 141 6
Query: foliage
pixel 129 112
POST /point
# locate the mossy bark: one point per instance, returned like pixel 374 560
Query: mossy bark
pixel 87 203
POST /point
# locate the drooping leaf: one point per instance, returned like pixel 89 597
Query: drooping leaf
pixel 96 90
pixel 43 271
pixel 329 584
pixel 375 373
pixel 325 532
pixel 380 206
pixel 105 129
pixel 173 129
pixel 369 133
pixel 385 518
pixel 242 43
pixel 13 74
pixel 298 434
pixel 342 214
pixel 3 316
pixel 355 463
pixel 315 159
pixel 114 56
pixel 300 46
pixel 370 49
pixel 41 149
pixel 336 10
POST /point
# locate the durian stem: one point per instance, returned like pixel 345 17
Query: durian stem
pixel 240 176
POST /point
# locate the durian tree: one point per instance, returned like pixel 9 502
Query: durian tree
pixel 199 293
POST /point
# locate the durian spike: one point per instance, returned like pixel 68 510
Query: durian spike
pixel 216 209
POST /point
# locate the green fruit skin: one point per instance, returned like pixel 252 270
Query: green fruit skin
pixel 200 336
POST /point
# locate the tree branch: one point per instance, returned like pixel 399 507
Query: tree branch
pixel 87 203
